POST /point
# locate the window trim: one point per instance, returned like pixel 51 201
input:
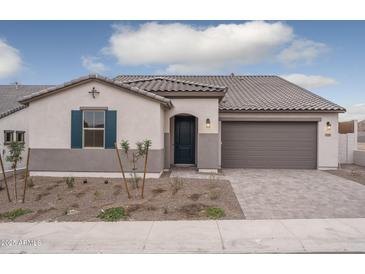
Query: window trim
pixel 83 128
pixel 12 136
pixel 16 136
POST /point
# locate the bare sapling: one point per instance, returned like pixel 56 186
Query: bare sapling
pixel 5 180
pixel 133 160
pixel 14 157
pixel 122 170
pixel 144 149
pixel 26 175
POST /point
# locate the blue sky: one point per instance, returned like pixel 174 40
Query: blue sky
pixel 327 57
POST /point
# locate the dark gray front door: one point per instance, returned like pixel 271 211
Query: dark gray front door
pixel 184 140
pixel 269 145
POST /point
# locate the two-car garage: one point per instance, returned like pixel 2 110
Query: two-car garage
pixel 269 144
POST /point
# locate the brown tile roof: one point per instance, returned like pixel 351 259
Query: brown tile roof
pixel 248 93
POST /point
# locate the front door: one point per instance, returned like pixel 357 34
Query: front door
pixel 184 140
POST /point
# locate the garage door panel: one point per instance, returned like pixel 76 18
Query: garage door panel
pixel 269 144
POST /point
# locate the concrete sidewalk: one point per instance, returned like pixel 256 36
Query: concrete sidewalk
pixel 228 236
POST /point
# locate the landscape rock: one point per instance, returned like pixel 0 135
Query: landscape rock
pixel 72 212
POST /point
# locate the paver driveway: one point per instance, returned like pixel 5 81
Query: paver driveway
pixel 291 194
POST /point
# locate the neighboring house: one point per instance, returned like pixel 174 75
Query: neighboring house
pixel 361 136
pixel 210 122
pixel 13 118
pixel 361 125
pixel 361 131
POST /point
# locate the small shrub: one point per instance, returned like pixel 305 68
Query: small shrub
pixel 213 194
pixel 112 214
pixel 12 215
pixel 194 209
pixel 106 182
pixel 215 212
pixel 70 182
pixel 30 183
pixel 176 184
pixel 40 196
pixel 195 196
pixel 97 194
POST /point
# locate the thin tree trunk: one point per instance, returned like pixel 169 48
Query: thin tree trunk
pixel 15 190
pixel 26 175
pixel 5 180
pixel 121 168
pixel 135 171
pixel 144 172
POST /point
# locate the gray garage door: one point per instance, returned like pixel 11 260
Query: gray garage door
pixel 269 145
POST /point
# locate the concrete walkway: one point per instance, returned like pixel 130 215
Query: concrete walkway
pixel 228 236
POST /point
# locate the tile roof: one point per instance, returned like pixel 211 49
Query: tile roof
pixel 11 94
pixel 243 93
pixel 48 91
pixel 253 93
pixel 165 84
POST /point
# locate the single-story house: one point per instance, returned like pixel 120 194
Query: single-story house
pixel 210 122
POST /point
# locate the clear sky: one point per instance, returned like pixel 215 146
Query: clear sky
pixel 327 57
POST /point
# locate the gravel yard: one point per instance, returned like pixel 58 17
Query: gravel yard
pixel 351 172
pixel 51 199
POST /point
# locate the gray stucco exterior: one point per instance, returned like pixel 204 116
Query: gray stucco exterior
pixel 167 150
pixel 90 160
pixel 208 147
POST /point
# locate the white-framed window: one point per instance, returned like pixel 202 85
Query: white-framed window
pixel 8 136
pixel 20 136
pixel 93 128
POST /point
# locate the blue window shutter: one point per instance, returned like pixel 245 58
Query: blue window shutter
pixel 76 129
pixel 110 128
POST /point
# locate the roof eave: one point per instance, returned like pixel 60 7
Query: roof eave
pixel 190 94
pixel 11 111
pixel 279 111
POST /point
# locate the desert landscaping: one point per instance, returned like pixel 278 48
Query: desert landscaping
pixel 98 199
pixel 351 172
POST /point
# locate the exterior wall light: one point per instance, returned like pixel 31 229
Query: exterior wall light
pixel 328 129
pixel 207 123
pixel 328 126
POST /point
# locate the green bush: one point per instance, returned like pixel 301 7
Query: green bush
pixel 12 215
pixel 112 214
pixel 70 182
pixel 215 212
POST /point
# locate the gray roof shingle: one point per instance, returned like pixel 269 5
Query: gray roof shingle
pixel 243 93
pixel 253 93
pixel 11 94
pixel 162 84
